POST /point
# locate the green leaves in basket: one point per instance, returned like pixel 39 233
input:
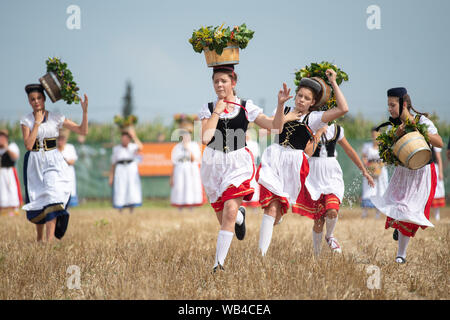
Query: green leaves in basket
pixel 217 38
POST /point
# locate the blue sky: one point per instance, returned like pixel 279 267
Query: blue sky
pixel 146 42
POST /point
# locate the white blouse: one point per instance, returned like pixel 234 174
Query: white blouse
pixel 48 128
pixel 253 111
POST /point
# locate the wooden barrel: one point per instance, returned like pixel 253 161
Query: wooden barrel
pixel 325 94
pixel 412 150
pixel 52 86
pixel 230 55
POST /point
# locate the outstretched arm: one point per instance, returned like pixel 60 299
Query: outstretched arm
pixel 351 153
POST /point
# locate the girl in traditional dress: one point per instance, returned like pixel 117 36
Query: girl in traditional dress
pixel 439 196
pixel 371 160
pixel 10 193
pixel 324 187
pixel 407 200
pixel 284 165
pixel 124 175
pixel 70 155
pixel 227 164
pixel 185 181
pixel 46 173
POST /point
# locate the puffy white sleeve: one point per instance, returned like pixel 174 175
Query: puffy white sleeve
pixel 114 155
pixel 70 153
pixel 315 120
pixel 14 148
pixel 204 112
pixel 59 119
pixel 436 149
pixel 253 110
pixel 431 127
pixel 341 134
pixel 27 121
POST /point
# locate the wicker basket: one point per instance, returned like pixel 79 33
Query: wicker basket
pixel 412 150
pixel 230 55
pixel 52 86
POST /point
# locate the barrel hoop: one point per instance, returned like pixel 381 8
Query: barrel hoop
pixel 412 155
pixel 405 143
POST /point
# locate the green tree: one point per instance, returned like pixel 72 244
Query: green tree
pixel 128 101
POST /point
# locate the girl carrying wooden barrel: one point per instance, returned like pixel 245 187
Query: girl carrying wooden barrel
pixel 407 200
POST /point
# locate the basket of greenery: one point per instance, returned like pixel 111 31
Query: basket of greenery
pixel 125 122
pixel 59 83
pixel 318 70
pixel 406 145
pixel 185 121
pixel 221 45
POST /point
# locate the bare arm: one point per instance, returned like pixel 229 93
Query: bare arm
pixel 440 166
pixel 83 127
pixel 351 153
pixel 436 140
pixel 342 107
pixel 278 120
pixel 111 174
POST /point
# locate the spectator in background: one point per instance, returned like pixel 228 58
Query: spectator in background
pixel 70 155
pixel 124 175
pixel 10 195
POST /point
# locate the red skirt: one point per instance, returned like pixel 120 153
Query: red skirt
pixel 315 209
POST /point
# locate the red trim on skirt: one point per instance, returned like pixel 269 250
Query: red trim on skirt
pixel 266 196
pixel 315 209
pixel 409 229
pixel 244 190
pixel 19 192
pixel 438 203
pixel 251 204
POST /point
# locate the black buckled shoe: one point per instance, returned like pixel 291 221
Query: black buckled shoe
pixel 239 230
pixel 400 260
pixel 218 267
pixel 395 235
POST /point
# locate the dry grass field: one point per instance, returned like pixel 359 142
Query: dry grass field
pixel 161 253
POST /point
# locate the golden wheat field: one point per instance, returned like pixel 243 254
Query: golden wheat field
pixel 162 253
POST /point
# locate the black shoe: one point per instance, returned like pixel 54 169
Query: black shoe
pixel 239 230
pixel 395 235
pixel 219 266
pixel 400 260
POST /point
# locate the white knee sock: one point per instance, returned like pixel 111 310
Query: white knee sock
pixel 437 213
pixel 364 213
pixel 223 244
pixel 265 233
pixel 239 218
pixel 402 245
pixel 317 242
pixel 330 224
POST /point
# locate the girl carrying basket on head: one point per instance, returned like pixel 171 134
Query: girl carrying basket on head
pixel 227 166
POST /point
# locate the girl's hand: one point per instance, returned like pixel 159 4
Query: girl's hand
pixel 292 116
pixel 110 180
pixel 39 116
pixel 220 106
pixel 84 104
pixel 283 95
pixel 319 134
pixel 331 75
pixel 369 178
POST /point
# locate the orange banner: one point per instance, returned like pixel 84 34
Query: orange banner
pixel 156 159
